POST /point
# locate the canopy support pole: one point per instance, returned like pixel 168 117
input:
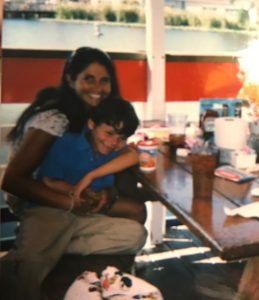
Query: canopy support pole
pixel 155 49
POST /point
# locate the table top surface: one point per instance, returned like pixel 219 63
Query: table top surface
pixel 229 237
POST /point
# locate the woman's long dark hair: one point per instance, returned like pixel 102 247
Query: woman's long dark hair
pixel 63 98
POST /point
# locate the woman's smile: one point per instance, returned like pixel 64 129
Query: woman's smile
pixel 93 84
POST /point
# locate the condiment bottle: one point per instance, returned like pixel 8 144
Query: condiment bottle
pixel 208 124
pixel 238 110
pixel 225 110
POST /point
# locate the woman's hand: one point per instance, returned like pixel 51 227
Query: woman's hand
pixel 90 202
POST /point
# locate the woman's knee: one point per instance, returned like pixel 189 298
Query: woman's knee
pixel 137 235
pixel 140 213
pixel 130 209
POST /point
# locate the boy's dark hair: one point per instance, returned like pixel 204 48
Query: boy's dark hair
pixel 118 113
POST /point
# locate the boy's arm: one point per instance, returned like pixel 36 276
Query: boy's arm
pixel 127 158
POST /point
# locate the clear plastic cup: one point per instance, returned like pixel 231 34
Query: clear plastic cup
pixel 177 123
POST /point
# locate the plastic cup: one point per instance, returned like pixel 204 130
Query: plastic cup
pixel 147 155
pixel 177 123
pixel 203 167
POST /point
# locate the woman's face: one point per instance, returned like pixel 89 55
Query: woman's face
pixel 93 84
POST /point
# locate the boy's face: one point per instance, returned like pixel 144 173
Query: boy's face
pixel 105 138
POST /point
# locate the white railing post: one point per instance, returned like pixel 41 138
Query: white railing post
pixel 155 106
pixel 155 49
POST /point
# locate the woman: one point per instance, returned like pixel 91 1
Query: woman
pixel 56 110
pixel 88 78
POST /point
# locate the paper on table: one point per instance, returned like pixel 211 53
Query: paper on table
pixel 247 211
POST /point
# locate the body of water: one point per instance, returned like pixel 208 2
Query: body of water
pixel 53 34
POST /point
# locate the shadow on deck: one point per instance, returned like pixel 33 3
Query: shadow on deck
pixel 184 269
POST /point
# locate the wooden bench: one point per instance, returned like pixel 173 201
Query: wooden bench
pixel 8 220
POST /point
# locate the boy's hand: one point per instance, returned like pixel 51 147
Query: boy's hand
pixel 96 200
pixel 103 200
pixel 82 185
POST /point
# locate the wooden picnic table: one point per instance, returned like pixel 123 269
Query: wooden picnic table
pixel 231 238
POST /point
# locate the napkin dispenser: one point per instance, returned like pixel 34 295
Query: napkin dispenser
pixel 231 133
pixel 230 137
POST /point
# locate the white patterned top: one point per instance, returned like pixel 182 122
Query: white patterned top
pixel 51 121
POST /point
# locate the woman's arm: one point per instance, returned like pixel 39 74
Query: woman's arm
pixel 58 185
pixel 18 178
pixel 96 201
pixel 127 158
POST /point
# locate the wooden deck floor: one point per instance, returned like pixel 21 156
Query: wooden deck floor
pixel 184 269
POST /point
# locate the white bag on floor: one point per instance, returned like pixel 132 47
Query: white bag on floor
pixel 113 284
pixel 86 286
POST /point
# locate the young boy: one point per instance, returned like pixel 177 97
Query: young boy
pixel 74 156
